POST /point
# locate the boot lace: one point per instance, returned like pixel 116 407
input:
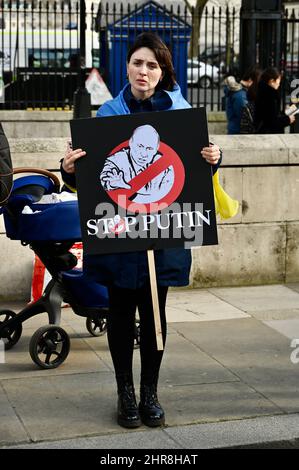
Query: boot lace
pixel 150 396
pixel 127 397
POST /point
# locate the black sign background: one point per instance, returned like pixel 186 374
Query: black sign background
pixel 183 130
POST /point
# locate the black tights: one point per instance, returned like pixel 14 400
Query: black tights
pixel 121 324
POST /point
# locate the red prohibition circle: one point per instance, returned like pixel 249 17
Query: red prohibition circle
pixel 169 158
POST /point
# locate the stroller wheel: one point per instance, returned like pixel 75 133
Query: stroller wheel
pixel 137 334
pixel 49 346
pixel 96 326
pixel 10 335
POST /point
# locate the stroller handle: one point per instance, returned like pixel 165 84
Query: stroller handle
pixel 40 171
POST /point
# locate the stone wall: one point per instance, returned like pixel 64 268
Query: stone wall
pixel 26 124
pixel 260 245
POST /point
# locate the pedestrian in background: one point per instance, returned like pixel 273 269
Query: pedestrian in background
pixel 239 98
pixel 235 100
pixel 250 82
pixel 269 119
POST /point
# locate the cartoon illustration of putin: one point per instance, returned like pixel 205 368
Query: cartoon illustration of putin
pixel 122 166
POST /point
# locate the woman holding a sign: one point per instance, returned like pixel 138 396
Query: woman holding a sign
pixel 151 87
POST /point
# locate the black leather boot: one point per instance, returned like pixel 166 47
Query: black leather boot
pixel 151 412
pixel 127 410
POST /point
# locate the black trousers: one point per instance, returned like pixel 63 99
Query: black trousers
pixel 121 329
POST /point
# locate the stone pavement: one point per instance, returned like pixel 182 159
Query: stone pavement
pixel 229 377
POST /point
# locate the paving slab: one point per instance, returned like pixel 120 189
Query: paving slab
pixel 135 439
pixel 180 314
pixel 288 328
pixel 293 285
pixel 64 406
pixel 53 408
pixel 257 354
pixel 200 306
pixel 239 432
pixel 185 363
pixel 11 427
pixel 280 314
pixel 255 298
pixel 280 431
pixel 205 305
pixel 214 402
pixel 81 359
pixel 215 372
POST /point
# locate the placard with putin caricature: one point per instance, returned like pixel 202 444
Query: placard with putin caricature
pixel 143 183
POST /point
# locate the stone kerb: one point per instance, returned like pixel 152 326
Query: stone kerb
pixel 21 124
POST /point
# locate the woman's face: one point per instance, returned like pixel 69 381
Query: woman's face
pixel 275 83
pixel 144 73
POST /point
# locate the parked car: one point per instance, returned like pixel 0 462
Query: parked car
pixel 71 25
pixel 217 56
pixel 214 55
pixel 201 74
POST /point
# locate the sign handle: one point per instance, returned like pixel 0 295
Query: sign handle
pixel 155 299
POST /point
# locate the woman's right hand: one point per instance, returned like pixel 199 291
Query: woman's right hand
pixel 292 118
pixel 68 163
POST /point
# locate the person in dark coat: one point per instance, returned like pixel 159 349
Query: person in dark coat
pixel 268 116
pixel 250 82
pixel 151 87
pixel 6 172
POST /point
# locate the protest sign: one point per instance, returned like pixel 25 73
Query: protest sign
pixel 143 183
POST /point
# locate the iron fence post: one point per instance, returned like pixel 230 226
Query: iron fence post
pixel 260 33
pixel 82 102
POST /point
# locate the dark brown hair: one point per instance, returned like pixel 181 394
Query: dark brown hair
pixel 252 73
pixel 271 73
pixel 162 54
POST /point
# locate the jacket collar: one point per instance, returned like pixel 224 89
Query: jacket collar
pixel 160 101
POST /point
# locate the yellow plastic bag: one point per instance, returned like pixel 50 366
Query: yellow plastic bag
pixel 225 206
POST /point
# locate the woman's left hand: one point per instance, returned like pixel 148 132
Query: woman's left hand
pixel 211 154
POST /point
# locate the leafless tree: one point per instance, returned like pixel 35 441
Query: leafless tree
pixel 197 12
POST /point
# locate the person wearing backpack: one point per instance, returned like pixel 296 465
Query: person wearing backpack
pixel 240 98
pixel 235 100
pixel 250 81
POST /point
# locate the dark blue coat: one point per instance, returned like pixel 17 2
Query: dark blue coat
pixel 130 270
pixel 234 104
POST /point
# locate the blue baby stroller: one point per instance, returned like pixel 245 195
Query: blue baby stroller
pixel 51 230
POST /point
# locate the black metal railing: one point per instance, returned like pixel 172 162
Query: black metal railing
pixel 40 51
pixel 290 57
pixel 40 48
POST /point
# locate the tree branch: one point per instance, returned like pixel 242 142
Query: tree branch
pixel 189 7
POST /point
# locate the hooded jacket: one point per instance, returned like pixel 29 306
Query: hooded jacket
pixel 130 270
pixel 235 100
pixel 119 106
